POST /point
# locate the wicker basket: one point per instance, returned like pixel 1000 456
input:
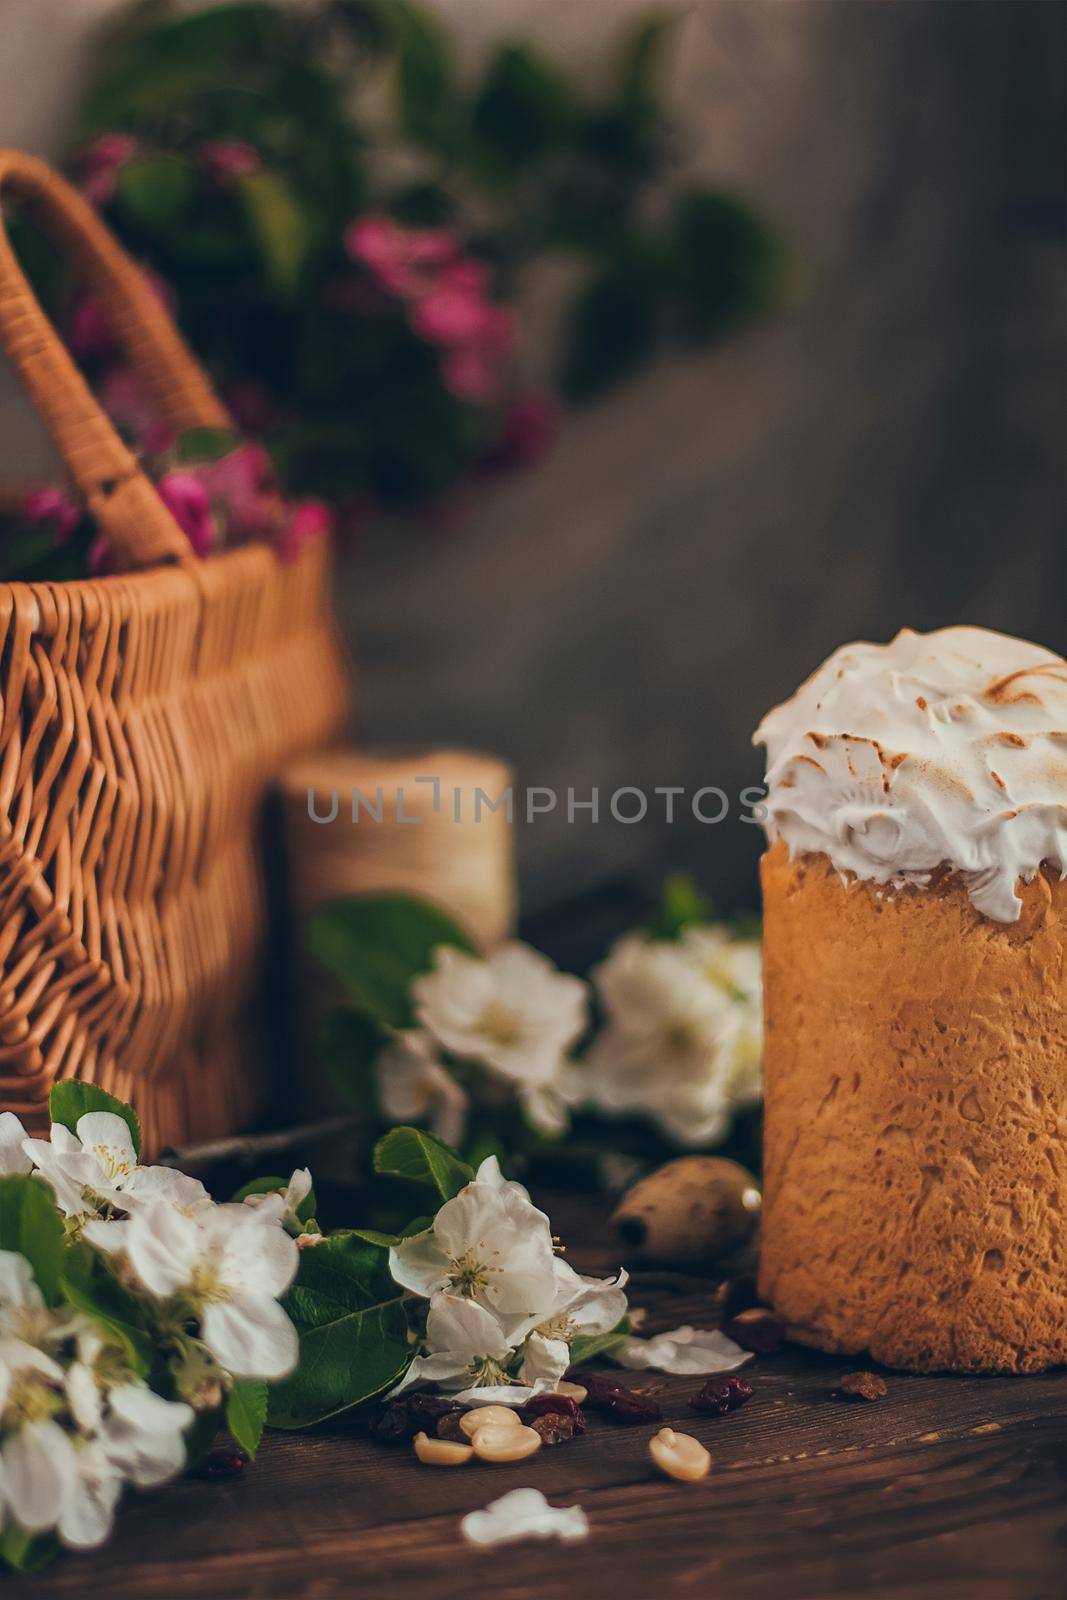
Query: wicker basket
pixel 142 718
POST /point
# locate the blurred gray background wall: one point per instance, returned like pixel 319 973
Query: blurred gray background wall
pixel 887 451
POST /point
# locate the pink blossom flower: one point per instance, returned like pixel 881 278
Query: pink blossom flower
pixel 188 502
pixel 101 164
pixel 129 405
pixel 308 519
pixel 226 159
pixel 450 316
pixel 55 506
pixel 242 483
pixel 400 259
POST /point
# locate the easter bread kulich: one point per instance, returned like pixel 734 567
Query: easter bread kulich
pixel 915 981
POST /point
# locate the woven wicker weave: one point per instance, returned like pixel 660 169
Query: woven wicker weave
pixel 142 718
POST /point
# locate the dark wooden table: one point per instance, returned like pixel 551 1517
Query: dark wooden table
pixel 948 1487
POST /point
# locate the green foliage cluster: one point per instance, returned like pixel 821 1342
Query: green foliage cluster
pixel 520 163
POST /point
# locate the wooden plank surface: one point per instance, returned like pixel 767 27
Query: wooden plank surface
pixel 948 1487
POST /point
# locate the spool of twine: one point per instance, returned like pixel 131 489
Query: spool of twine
pixel 420 822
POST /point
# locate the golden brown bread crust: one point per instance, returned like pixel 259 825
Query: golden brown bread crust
pixel 915 1179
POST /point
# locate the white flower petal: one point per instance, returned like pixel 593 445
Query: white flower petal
pixel 142 1435
pixel 501 1394
pixel 464 1329
pixel 83 1397
pixel 298 1189
pixel 14 1160
pixel 254 1261
pixel 163 1247
pixel 164 1183
pixel 40 1473
pixel 251 1338
pixel 686 1351
pixel 524 1514
pixel 18 1287
pixel 544 1360
pixel 107 1136
pixel 89 1508
pixel 419 1264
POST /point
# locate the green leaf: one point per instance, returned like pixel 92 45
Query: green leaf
pixel 353 1333
pixel 612 325
pixel 376 945
pixel 31 1226
pixel 416 1156
pixel 349 1045
pixel 278 226
pixel 305 1210
pixel 730 265
pixel 206 444
pixel 27 1552
pixel 524 109
pixel 71 1099
pixel 386 1241
pixel 155 192
pixel 89 1284
pixel 246 1412
pixel 639 60
pixel 683 905
pixel 423 75
pixel 587 1347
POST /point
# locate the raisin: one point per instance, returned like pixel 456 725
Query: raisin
pixel 554 1428
pixel 619 1404
pixel 720 1395
pixel 555 1405
pixel 862 1386
pixel 403 1418
pixel 448 1427
pixel 757 1329
pixel 227 1461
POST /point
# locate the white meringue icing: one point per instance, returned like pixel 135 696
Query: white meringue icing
pixel 938 748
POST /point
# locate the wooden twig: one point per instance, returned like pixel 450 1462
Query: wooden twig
pixel 249 1147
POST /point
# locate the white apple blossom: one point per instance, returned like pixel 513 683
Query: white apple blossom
pixel 489 1244
pixel 97 1169
pixel 415 1087
pixel 512 1012
pixel 229 1265
pixel 682 1038
pixel 464 1347
pixel 504 1309
pixel 583 1307
pixel 71 1436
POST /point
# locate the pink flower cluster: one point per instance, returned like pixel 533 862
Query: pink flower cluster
pixel 101 163
pixel 446 295
pixel 237 499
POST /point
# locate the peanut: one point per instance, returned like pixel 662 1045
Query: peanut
pixel 472 1422
pixel 496 1443
pixel 679 1455
pixel 441 1452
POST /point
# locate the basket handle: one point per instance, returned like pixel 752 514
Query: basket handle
pixel 109 477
